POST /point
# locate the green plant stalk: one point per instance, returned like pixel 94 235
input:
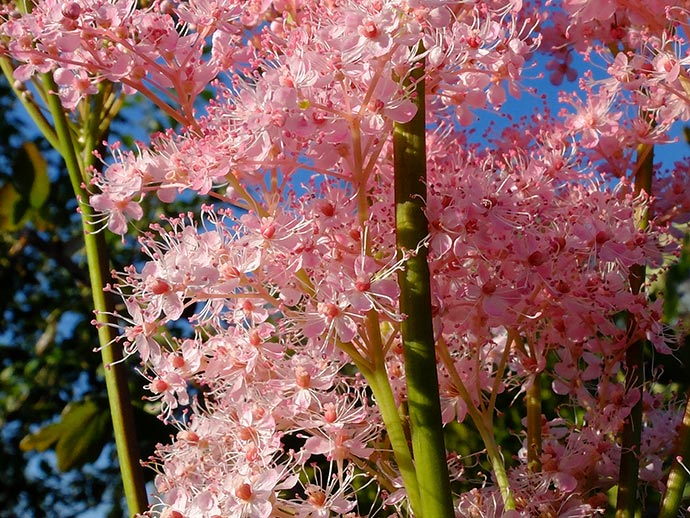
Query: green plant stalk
pixel 626 502
pixel 498 465
pixel 373 368
pixel 678 476
pixel 377 376
pixel 385 401
pixel 31 109
pixel 415 303
pixel 483 421
pixel 111 352
pixel 533 400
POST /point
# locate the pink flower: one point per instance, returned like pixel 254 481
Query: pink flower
pixel 117 198
pixel 595 119
pixel 251 497
pixel 326 497
pixel 331 317
pixel 369 286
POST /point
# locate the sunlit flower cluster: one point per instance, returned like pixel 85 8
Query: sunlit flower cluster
pixel 261 320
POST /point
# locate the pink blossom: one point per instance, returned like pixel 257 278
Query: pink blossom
pixel 251 496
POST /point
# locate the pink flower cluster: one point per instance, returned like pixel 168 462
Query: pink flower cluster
pixel 643 47
pixel 84 43
pixel 252 317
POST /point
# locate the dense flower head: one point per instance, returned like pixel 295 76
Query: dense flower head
pixel 258 319
pixel 286 295
pixel 86 42
pixel 317 84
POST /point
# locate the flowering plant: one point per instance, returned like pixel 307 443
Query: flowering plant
pixel 368 275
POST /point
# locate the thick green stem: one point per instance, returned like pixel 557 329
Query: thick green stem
pixel 111 352
pixel 415 303
pixel 678 476
pixel 115 378
pixel 626 503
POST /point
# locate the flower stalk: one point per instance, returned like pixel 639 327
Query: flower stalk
pixel 678 476
pixel 415 303
pixel 533 404
pixel 627 500
pixel 111 352
pixel 380 387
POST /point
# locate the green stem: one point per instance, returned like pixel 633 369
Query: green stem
pixel 376 374
pixel 415 303
pixel 484 424
pixel 626 503
pixel 24 96
pixel 678 476
pixel 630 438
pixel 533 400
pixel 498 464
pixel 374 371
pixel 385 401
pixel 111 352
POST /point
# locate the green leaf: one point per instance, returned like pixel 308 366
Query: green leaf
pixel 47 338
pixel 80 435
pixel 85 428
pixel 30 174
pixel 21 206
pixel 43 439
pixel 29 187
pixel 41 186
pixel 8 199
pixel 22 171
